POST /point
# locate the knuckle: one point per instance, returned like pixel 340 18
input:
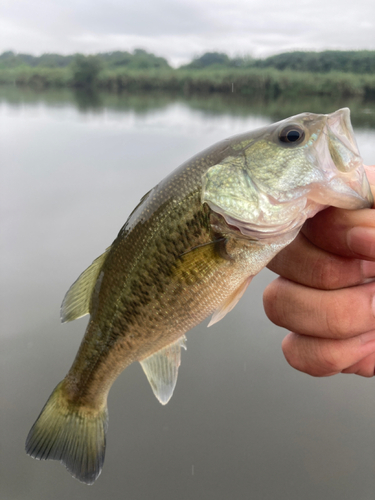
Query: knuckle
pixel 271 303
pixel 289 351
pixel 337 319
pixel 328 359
pixel 312 356
pixel 292 347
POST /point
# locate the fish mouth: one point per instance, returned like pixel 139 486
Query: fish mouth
pixel 338 193
pixel 339 124
pixel 347 185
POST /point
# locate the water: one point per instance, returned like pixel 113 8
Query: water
pixel 242 423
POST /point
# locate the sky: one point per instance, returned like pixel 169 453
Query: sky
pixel 182 29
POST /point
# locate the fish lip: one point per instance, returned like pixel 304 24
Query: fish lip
pixel 346 183
pixel 340 125
pixel 351 194
pixel 351 199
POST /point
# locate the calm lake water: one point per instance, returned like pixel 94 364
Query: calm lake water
pixel 242 424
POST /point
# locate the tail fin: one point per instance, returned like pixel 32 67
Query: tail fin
pixel 73 434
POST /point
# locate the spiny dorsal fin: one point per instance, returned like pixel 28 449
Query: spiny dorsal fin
pixel 161 369
pixel 230 302
pixel 76 302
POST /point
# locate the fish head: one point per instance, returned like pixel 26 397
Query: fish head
pixel 276 177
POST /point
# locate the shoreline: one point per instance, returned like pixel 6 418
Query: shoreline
pixel 262 83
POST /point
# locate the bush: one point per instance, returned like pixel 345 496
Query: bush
pixel 85 70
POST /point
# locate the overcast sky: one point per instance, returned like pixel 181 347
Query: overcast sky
pixel 182 29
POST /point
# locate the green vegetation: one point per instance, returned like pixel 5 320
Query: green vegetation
pixel 9 60
pixel 330 73
pixel 139 59
pixel 361 61
pixel 85 70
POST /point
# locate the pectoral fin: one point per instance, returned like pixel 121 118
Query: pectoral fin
pixel 76 302
pixel 161 369
pixel 230 302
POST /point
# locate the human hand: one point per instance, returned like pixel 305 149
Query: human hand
pixel 326 293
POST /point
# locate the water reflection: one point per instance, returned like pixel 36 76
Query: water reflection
pixel 242 423
pixel 362 112
pixel 88 99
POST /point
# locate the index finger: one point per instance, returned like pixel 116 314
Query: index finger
pixel 348 233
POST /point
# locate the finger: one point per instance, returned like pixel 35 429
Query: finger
pixel 303 262
pixel 349 233
pixel 325 357
pixel 365 367
pixel 331 314
pixel 343 232
pixel 370 172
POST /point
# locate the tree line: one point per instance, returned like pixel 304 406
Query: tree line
pixel 329 73
pixel 359 62
pixel 138 59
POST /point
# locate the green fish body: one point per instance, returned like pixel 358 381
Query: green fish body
pixel 189 250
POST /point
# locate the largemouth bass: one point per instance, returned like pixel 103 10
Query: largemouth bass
pixel 187 251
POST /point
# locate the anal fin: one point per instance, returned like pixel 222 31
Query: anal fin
pixel 161 369
pixel 230 302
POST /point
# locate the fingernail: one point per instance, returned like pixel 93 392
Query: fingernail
pixel 361 241
pixel 367 337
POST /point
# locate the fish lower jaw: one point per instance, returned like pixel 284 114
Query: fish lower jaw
pixel 349 194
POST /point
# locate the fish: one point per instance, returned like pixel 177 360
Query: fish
pixel 189 250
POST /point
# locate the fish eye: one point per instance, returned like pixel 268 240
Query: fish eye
pixel 292 134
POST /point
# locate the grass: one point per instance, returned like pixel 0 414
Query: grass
pixel 266 83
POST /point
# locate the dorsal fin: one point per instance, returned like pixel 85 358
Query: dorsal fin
pixel 161 369
pixel 230 302
pixel 76 302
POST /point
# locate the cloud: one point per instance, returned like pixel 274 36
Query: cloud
pixel 180 29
